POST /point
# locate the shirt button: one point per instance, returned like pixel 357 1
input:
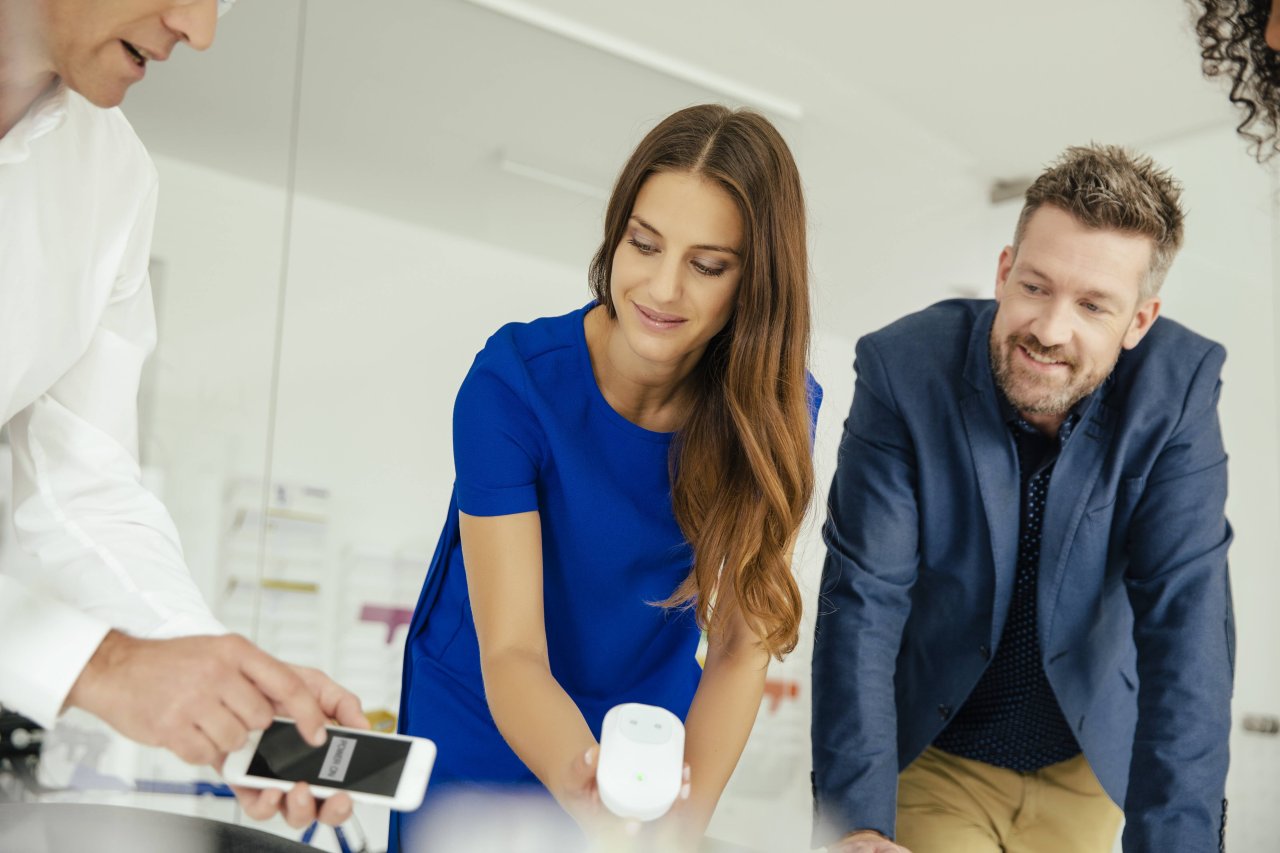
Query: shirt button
pixel 985 651
pixel 944 711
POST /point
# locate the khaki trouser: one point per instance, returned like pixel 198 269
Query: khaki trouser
pixel 948 804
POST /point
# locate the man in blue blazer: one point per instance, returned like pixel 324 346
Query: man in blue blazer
pixel 1025 619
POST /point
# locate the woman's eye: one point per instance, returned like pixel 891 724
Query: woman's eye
pixel 642 247
pixel 708 271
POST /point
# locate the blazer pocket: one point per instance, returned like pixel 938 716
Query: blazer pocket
pixel 1121 500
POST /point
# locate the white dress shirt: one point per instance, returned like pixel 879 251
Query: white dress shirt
pixel 77 204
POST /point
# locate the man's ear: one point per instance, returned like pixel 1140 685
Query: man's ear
pixel 1003 268
pixel 1142 322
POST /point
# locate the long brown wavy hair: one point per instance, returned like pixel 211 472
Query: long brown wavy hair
pixel 1233 44
pixel 741 466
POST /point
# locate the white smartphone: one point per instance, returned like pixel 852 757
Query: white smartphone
pixel 382 769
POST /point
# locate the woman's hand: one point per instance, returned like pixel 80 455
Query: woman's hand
pixel 577 792
pixel 677 830
pixel 579 795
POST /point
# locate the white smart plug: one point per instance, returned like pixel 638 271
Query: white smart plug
pixel 641 764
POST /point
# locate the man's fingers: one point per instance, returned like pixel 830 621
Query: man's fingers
pixel 337 702
pixel 194 747
pixel 336 810
pixel 867 842
pixel 258 805
pixel 283 686
pixel 224 729
pixel 299 807
pixel 245 700
pixel 348 711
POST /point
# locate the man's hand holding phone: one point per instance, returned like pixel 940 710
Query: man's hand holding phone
pixel 200 697
pixel 298 806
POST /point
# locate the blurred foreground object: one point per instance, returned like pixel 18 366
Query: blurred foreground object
pixel 20 743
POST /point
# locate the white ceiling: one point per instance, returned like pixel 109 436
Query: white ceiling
pixel 408 106
pixel 1000 81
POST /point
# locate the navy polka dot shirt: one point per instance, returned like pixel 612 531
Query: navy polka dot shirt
pixel 1012 719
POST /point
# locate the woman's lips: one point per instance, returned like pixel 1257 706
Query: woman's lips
pixel 657 319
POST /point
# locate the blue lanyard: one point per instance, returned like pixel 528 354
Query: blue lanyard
pixel 337 832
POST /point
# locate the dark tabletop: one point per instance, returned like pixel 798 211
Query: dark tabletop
pixel 79 828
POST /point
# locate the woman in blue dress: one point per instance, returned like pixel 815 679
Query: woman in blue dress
pixel 627 475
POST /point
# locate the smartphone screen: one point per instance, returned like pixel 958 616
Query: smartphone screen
pixel 348 760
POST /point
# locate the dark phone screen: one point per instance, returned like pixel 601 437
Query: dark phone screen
pixel 349 761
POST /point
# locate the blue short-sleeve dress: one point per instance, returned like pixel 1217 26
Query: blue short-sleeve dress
pixel 532 431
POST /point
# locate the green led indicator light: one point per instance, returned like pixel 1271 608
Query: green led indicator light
pixel 640 776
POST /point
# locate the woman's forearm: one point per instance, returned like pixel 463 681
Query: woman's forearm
pixel 724 710
pixel 539 721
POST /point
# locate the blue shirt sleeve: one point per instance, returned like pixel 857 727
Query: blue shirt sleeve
pixel 815 403
pixel 496 441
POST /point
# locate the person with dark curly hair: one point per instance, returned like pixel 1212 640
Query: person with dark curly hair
pixel 1240 40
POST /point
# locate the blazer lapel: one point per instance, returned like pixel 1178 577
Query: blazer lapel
pixel 995 464
pixel 1074 476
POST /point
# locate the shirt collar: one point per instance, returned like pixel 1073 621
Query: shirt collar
pixel 44 116
pixel 1016 421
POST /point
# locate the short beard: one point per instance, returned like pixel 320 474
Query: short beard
pixel 1053 401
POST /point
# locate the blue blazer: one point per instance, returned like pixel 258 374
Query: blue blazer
pixel 1134 602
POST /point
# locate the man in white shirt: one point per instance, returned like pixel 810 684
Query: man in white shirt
pixel 110 629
